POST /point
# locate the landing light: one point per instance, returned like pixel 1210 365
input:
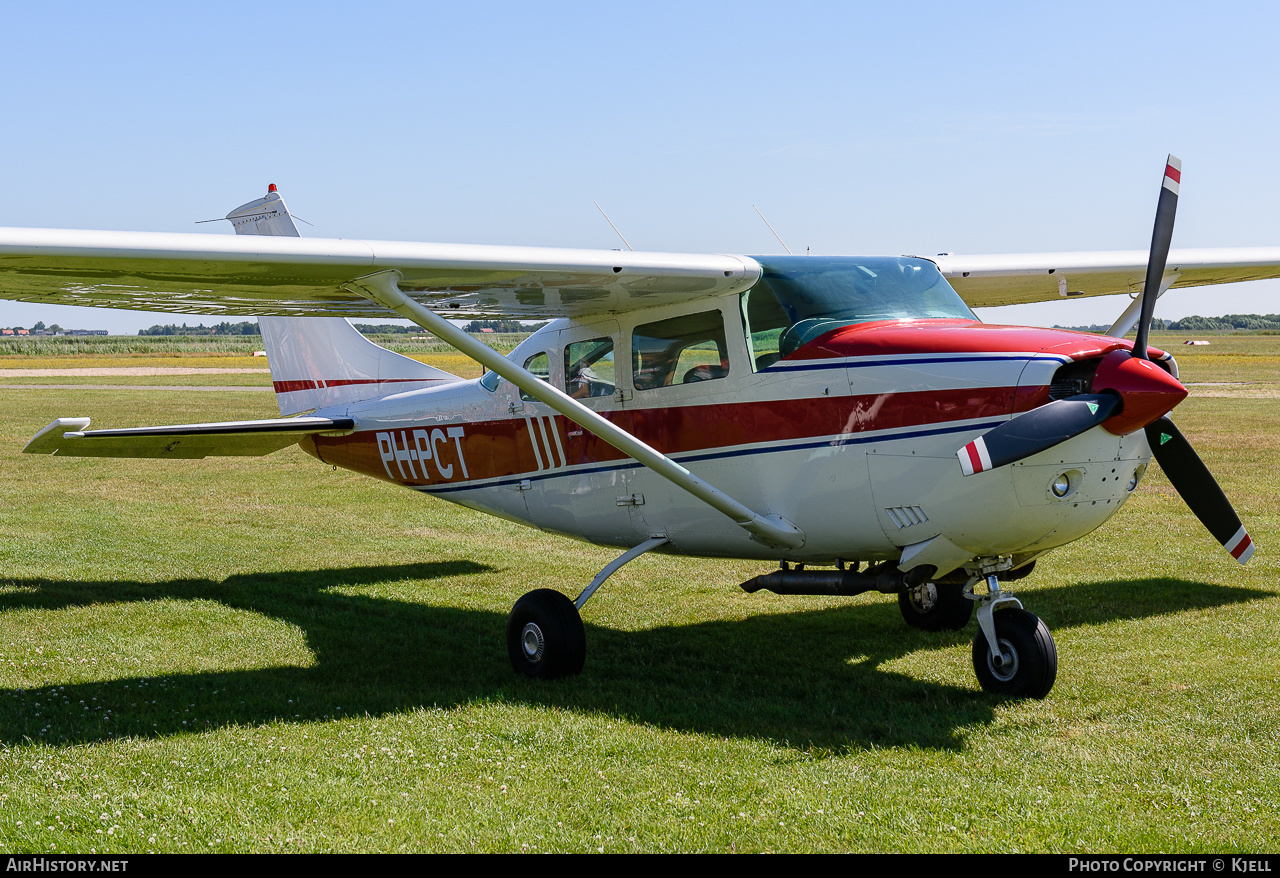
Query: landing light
pixel 1061 485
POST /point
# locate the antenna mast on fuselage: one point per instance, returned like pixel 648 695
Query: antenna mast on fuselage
pixel 611 225
pixel 775 233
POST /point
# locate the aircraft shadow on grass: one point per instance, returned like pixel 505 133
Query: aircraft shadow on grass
pixel 808 678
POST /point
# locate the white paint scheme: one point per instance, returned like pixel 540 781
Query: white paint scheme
pixel 67 437
pixel 303 277
pixel 837 488
pixel 844 450
pixel 1018 278
pixel 384 288
pixel 343 365
pixel 265 217
pixel 323 361
pixel 284 276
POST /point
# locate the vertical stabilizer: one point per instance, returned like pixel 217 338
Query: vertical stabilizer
pixel 264 216
pixel 323 361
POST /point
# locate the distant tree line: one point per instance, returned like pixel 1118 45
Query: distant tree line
pixel 245 327
pixel 386 329
pixel 250 327
pixel 473 326
pixel 1196 323
pixel 495 326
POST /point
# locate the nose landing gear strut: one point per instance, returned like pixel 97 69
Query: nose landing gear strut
pixel 1013 654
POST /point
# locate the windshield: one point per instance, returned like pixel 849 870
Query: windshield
pixel 802 297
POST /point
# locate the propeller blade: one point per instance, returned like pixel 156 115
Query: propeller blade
pixel 1035 431
pixel 1198 489
pixel 1161 236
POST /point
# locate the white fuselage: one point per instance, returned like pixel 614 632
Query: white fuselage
pixel 852 438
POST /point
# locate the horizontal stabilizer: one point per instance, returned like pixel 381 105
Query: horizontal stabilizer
pixel 67 437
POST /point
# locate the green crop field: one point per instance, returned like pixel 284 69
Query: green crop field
pixel 270 655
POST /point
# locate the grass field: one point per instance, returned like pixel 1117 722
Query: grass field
pixel 269 655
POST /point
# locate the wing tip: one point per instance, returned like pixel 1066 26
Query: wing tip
pixel 48 440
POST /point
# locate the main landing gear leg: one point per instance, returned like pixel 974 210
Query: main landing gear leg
pixel 1013 653
pixel 545 636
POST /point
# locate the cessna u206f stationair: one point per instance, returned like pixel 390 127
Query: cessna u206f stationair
pixel 844 413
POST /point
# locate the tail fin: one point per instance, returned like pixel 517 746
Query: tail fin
pixel 323 361
pixel 264 216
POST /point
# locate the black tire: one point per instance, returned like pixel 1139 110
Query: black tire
pixel 545 637
pixel 1033 658
pixel 935 606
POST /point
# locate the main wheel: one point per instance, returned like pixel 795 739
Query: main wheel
pixel 935 606
pixel 545 637
pixel 1029 660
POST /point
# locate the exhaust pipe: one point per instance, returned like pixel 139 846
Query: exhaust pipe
pixel 885 578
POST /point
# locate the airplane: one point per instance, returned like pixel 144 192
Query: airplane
pixel 848 419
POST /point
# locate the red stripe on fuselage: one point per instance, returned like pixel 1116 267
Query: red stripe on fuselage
pixel 495 449
pixel 313 384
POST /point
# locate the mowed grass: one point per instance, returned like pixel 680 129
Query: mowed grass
pixel 270 655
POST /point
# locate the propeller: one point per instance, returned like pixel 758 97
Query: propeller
pixel 1129 392
pixel 1194 483
pixel 1161 235
pixel 1038 430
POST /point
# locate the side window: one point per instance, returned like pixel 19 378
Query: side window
pixel 588 368
pixel 764 321
pixel 539 365
pixel 681 350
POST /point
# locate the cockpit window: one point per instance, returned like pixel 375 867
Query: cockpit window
pixel 799 298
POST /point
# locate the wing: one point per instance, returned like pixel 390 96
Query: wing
pixel 66 437
pixel 1014 279
pixel 285 276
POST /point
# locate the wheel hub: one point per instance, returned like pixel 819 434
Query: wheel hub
pixel 1004 667
pixel 533 642
pixel 923 597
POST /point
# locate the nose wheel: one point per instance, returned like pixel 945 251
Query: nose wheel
pixel 545 637
pixel 1024 662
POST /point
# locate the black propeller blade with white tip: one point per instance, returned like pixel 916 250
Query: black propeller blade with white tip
pixel 1042 428
pixel 1161 236
pixel 1198 489
pixel 1037 430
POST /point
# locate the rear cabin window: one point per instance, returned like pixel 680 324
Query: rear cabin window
pixel 588 368
pixel 540 366
pixel 681 350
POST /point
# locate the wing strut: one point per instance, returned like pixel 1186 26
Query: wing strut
pixel 1131 314
pixel 383 288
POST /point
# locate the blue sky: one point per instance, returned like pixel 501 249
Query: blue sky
pixel 857 128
